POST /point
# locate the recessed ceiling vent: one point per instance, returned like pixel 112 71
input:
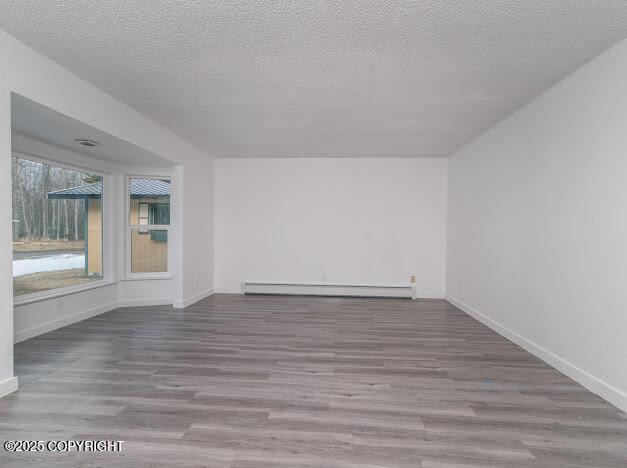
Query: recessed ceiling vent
pixel 89 143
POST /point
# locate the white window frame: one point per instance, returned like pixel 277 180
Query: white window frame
pixel 128 273
pixel 107 278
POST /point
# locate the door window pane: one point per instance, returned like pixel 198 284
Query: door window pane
pixel 159 213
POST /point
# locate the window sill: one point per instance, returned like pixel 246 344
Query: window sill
pixel 147 278
pixel 60 292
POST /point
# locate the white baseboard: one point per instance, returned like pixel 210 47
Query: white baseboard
pixel 429 295
pixel 46 327
pixel 181 304
pixel 148 301
pixel 8 386
pixel 606 391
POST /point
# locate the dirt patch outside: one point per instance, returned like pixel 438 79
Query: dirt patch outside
pixel 44 281
pixel 48 246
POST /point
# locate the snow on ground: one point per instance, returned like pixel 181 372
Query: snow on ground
pixel 51 263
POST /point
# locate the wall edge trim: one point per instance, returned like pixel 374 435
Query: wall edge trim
pixel 603 389
pixel 182 304
pixel 8 386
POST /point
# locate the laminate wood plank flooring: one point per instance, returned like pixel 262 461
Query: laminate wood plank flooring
pixel 276 381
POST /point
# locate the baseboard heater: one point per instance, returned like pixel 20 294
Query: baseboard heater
pixel 346 290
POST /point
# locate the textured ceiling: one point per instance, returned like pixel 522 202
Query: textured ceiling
pixel 342 78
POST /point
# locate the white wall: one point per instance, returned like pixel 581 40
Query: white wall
pixel 43 316
pixel 35 77
pixel 537 226
pixel 198 236
pixel 8 383
pixel 349 221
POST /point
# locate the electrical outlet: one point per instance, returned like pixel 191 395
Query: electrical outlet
pixel 323 276
pixel 412 279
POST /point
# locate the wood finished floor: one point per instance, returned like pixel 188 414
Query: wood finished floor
pixel 253 381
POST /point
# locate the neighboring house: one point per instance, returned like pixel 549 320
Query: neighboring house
pixel 150 205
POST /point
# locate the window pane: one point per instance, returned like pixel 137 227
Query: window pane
pixel 57 227
pixel 159 213
pixel 149 250
pixel 150 201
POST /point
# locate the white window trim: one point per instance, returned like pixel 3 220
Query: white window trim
pixel 128 274
pixel 107 276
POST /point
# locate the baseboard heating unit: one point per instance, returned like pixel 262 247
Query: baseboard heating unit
pixel 345 290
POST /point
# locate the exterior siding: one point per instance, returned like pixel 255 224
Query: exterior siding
pixel 94 237
pixel 147 255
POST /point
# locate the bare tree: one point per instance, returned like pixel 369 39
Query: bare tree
pixel 20 184
pixel 58 219
pixel 66 231
pixel 37 217
pixel 76 220
pixel 44 202
pixel 53 224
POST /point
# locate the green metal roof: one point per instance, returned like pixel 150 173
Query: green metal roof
pixel 140 188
